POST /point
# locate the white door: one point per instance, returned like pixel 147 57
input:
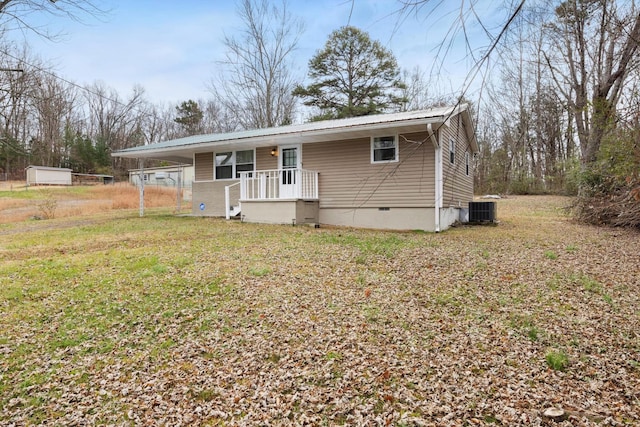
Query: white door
pixel 289 161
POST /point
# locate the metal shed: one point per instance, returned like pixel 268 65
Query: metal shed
pixel 44 175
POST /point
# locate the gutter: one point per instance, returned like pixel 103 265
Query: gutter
pixel 438 176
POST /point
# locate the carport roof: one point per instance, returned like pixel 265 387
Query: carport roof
pixel 183 149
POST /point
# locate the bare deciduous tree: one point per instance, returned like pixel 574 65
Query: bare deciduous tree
pixel 53 104
pixel 257 87
pixel 15 89
pixel 421 92
pixel 596 46
pixel 216 117
pixel 158 123
pixel 16 14
pixel 113 122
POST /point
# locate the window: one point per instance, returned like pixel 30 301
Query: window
pixel 229 164
pixel 452 151
pixel 224 165
pixel 244 162
pixel 466 162
pixel 384 149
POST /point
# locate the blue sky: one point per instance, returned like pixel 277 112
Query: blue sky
pixel 171 48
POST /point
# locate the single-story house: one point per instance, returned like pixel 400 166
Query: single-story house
pixel 409 170
pixel 44 175
pixel 165 176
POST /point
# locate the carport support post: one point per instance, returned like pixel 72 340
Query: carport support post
pixel 179 191
pixel 141 187
pixel 227 205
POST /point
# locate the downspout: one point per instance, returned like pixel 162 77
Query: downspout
pixel 438 176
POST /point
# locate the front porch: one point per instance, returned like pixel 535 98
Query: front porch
pixel 278 196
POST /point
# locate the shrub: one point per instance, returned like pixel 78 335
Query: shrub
pixel 610 188
pixel 47 205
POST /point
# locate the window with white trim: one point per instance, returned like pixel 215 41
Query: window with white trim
pixel 244 162
pixel 229 164
pixel 466 162
pixel 384 149
pixel 452 151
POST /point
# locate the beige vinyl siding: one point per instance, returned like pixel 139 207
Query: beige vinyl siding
pixel 211 195
pixel 457 186
pixel 348 179
pixel 203 166
pixel 264 159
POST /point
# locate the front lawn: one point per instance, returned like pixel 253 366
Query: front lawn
pixel 167 320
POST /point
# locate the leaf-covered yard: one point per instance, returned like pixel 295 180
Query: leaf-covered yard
pixel 174 321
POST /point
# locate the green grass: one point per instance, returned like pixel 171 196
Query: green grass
pixel 220 311
pixel 333 355
pixel 259 271
pixel 588 283
pixel 526 325
pixel 557 360
pixel 533 333
pixel 205 395
pixel 369 245
pixel 21 194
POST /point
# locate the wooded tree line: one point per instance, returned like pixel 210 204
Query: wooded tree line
pixel 567 79
pixel 45 120
pixel 562 114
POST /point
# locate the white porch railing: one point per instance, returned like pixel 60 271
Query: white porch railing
pixel 227 199
pixel 279 184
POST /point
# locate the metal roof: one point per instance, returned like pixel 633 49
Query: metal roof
pixel 182 149
pixel 48 168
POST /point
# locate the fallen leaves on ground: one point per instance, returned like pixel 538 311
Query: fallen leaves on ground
pixel 192 321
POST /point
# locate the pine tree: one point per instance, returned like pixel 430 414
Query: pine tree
pixel 352 76
pixel 190 117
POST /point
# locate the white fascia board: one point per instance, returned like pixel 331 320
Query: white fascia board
pixel 310 136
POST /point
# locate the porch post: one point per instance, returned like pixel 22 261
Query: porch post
pixel 227 203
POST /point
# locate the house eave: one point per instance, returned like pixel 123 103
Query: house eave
pixel 184 149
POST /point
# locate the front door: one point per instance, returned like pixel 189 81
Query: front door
pixel 289 162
